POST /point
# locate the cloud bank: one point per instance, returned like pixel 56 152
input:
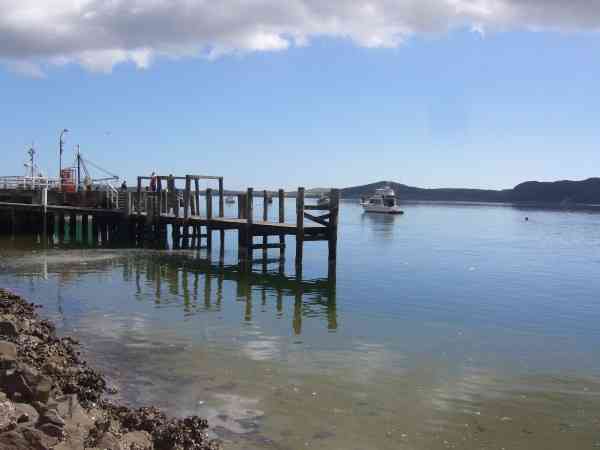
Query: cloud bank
pixel 99 34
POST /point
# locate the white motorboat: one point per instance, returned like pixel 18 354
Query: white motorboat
pixel 230 200
pixel 323 200
pixel 382 201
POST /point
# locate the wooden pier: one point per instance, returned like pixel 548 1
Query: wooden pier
pixel 146 216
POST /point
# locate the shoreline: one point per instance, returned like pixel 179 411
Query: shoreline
pixel 50 398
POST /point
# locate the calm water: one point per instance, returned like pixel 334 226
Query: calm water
pixel 453 326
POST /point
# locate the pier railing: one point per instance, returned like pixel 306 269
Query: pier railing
pixel 29 183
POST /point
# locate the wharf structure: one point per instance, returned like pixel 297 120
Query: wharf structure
pixel 145 216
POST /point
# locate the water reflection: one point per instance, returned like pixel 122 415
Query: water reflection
pixel 199 283
pixel 383 225
pixel 193 284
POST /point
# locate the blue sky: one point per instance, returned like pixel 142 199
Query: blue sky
pixel 457 109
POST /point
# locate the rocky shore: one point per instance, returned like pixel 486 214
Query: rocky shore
pixel 50 399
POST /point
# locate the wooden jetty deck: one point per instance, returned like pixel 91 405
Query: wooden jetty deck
pixel 147 214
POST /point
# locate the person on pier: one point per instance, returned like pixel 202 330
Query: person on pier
pixel 153 180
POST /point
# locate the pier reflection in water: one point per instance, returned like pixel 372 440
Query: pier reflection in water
pixel 188 281
pixel 199 283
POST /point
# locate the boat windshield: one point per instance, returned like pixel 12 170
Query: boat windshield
pixel 389 202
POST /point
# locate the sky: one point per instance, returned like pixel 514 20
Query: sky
pixel 270 94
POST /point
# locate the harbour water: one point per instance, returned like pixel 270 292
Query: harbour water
pixel 453 326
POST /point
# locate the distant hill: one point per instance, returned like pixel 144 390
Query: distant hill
pixel 317 191
pixel 405 192
pixel 586 191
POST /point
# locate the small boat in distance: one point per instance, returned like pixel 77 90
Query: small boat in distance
pixel 382 201
pixel 323 200
pixel 229 199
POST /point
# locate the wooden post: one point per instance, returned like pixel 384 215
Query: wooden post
pixel 281 200
pixel 241 204
pixel 94 230
pixel 139 196
pixel 221 210
pixel 84 228
pixel 159 195
pixel 175 234
pixel 101 227
pixel 299 227
pixel 50 229
pixel 221 198
pixel 72 227
pixel 97 225
pixel 334 200
pixel 197 195
pixel 176 206
pixel 193 204
pixel 249 238
pixel 209 199
pixel 186 197
pixel 186 208
pixel 222 248
pixel 250 206
pixel 61 226
pixel 265 218
pixel 44 211
pixel 209 216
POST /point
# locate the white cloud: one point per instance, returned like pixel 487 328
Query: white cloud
pixel 99 34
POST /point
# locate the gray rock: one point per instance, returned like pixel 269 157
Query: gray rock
pixel 39 406
pixel 138 440
pixel 23 410
pixel 52 416
pixel 7 414
pixel 13 441
pixel 109 441
pixel 76 417
pixel 52 430
pixel 38 439
pixel 42 389
pixel 33 386
pixel 8 355
pixel 8 326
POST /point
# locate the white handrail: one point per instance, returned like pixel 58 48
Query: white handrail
pixel 29 183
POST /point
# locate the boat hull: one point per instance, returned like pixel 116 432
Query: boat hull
pixel 382 209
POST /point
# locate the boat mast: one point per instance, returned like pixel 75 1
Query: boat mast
pixel 31 153
pixel 78 168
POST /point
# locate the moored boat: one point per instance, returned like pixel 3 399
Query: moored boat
pixel 382 201
pixel 323 200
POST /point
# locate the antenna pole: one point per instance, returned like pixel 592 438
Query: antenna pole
pixel 31 159
pixel 60 146
pixel 78 169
